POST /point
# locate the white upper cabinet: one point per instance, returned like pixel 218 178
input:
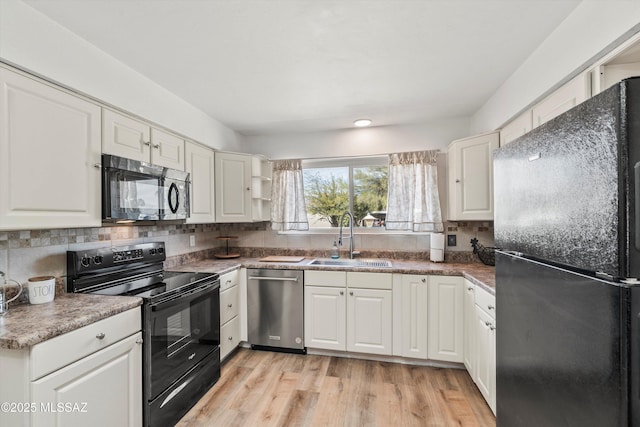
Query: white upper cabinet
pixel 470 165
pixel 49 156
pixel 233 187
pixel 130 138
pixel 563 99
pixel 516 128
pixel 199 162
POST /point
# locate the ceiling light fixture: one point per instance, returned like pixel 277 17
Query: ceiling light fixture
pixel 362 123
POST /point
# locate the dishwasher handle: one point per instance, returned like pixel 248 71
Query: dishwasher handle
pixel 277 279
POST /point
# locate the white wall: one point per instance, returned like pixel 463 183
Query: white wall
pixel 589 30
pixel 359 142
pixel 35 42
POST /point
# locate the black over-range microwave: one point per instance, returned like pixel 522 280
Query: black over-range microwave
pixel 139 191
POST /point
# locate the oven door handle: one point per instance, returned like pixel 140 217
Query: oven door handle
pixel 186 297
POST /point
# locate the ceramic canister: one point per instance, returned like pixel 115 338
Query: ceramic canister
pixel 42 289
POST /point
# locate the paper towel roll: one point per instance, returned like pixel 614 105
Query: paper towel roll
pixel 437 247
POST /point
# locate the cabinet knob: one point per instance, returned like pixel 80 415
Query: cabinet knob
pixel 228 281
pixel 229 305
pixel 424 280
pixel 97 165
pixel 490 307
pixel 351 293
pixel 248 188
pixel 341 292
pixel 230 338
pixel 100 336
pixel 487 323
pixel 493 328
pixel 147 143
pixel 139 341
pixel 156 145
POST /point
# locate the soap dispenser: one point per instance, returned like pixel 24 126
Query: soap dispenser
pixel 335 254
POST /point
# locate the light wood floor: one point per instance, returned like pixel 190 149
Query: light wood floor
pixel 260 388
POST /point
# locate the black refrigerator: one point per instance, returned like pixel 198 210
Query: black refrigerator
pixel 567 220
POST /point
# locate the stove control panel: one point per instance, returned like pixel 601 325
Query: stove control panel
pixel 130 255
pixel 95 260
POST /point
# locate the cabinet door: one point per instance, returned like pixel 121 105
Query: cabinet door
pixel 167 150
pixel 414 316
pixel 200 164
pixel 233 187
pixel 516 128
pixel 104 388
pixel 49 156
pixel 324 318
pixel 563 99
pixel 471 177
pixel 229 337
pixel 369 321
pixel 125 137
pixel 486 360
pixel 229 304
pixel 469 328
pixel 446 307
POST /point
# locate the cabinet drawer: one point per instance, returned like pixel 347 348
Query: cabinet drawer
pixel 336 279
pixel 357 279
pixel 229 336
pixel 60 351
pixel 486 301
pixel 229 279
pixel 229 304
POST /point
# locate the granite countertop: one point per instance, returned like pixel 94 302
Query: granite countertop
pixel 26 325
pixel 479 274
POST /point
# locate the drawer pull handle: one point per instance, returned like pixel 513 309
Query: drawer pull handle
pixel 490 307
pixel 100 336
pixel 229 305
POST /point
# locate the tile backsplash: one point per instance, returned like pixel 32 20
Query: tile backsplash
pixel 28 253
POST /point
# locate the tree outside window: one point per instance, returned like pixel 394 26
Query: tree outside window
pixel 330 191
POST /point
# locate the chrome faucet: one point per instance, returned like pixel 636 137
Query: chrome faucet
pixel 352 253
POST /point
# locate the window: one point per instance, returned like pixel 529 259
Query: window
pixel 332 187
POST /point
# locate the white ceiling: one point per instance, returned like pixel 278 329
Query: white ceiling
pixel 307 65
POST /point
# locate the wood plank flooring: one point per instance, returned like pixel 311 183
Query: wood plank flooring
pixel 260 388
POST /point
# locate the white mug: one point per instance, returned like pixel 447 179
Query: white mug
pixel 42 289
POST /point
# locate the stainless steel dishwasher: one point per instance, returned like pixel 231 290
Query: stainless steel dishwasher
pixel 275 309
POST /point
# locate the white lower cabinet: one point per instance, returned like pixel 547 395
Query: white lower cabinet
pixel 101 389
pixel 445 318
pixel 348 311
pixel 485 332
pixel 469 328
pixel 412 340
pixel 229 313
pixel 90 376
pixel 325 318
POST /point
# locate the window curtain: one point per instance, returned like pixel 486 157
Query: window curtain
pixel 413 201
pixel 288 209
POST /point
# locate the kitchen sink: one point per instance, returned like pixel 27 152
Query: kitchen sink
pixel 330 262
